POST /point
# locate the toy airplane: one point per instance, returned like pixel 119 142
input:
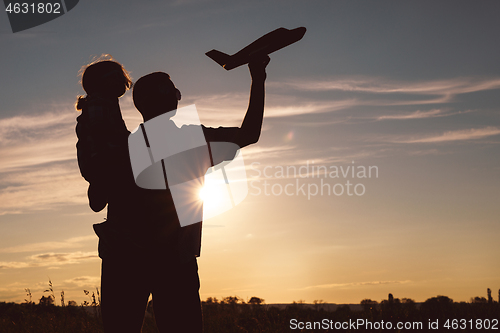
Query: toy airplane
pixel 270 42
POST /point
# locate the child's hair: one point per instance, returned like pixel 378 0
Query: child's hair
pixel 94 73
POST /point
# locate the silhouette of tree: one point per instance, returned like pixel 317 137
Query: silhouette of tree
pixel 437 307
pixel 72 303
pixel 490 299
pixel 231 300
pixel 478 299
pixel 212 300
pixel 46 301
pixel 369 305
pixel 256 301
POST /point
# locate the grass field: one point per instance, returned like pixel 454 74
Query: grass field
pixel 232 315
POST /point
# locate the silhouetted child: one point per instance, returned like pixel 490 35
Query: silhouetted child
pixel 100 128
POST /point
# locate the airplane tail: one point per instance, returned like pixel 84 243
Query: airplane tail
pixel 219 57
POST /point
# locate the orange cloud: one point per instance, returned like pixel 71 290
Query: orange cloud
pixel 50 259
pixel 353 284
pixel 47 246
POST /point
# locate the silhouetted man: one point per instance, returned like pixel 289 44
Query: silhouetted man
pixel 144 249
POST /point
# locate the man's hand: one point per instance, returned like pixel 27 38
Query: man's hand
pixel 257 67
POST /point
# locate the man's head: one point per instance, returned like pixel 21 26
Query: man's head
pixel 155 94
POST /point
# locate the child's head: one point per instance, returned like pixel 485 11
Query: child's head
pixel 106 77
pixel 155 94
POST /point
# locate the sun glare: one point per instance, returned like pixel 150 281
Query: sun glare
pixel 210 194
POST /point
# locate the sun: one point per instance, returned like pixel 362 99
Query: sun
pixel 211 195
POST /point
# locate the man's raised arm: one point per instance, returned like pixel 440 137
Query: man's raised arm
pixel 251 126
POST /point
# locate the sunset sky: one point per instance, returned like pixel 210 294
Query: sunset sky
pixel 411 89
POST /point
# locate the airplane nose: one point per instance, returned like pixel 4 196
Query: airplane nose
pixel 301 30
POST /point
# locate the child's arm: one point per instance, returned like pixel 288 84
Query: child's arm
pixel 98 196
pixel 99 139
pixel 89 164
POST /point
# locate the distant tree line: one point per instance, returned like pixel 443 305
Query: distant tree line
pixel 232 314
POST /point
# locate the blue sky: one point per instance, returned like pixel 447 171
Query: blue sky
pixel 409 87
